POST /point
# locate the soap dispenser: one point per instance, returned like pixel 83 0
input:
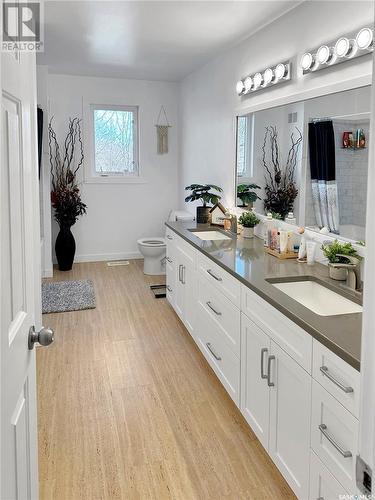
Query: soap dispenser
pixel 268 230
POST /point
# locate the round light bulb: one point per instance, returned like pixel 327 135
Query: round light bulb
pixel 258 78
pixel 268 76
pixel 240 87
pixel 248 83
pixel 323 54
pixel 280 71
pixel 307 61
pixel 365 38
pixel 342 47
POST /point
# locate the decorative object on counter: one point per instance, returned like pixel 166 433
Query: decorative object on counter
pixel 339 253
pixel 202 192
pixel 267 230
pixel 310 252
pixel 248 220
pixel 290 219
pixel 336 52
pixel 266 78
pixel 217 215
pixel 302 245
pixel 65 195
pixel 246 195
pixel 162 132
pixel 281 190
pixel 323 174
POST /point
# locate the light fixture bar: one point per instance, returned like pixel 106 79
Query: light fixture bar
pixel 266 78
pixel 344 48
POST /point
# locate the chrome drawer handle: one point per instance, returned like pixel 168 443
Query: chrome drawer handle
pixel 217 278
pixel 213 309
pixel 169 237
pixel 262 353
pixel 169 288
pixel 326 373
pixel 183 275
pixel 179 273
pixel 169 260
pixel 270 384
pixel 344 453
pixel 212 352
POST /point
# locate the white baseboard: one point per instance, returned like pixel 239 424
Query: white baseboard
pixel 47 273
pixel 108 256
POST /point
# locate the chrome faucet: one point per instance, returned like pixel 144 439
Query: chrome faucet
pixel 353 279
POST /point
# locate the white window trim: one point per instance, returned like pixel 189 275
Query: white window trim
pixel 90 175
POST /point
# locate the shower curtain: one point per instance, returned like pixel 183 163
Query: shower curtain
pixel 323 174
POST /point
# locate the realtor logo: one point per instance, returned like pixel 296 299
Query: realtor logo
pixel 22 26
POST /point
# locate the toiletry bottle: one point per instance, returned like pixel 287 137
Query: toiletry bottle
pixel 267 230
pixel 290 219
pixel 362 139
pixel 302 245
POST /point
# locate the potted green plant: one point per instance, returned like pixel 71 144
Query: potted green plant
pixel 246 195
pixel 335 253
pixel 248 220
pixel 202 192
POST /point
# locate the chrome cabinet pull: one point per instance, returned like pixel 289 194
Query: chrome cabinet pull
pixel 213 352
pixel 183 275
pixel 179 273
pixel 169 237
pixel 262 353
pixel 270 384
pixel 326 373
pixel 217 278
pixel 169 260
pixel 169 288
pixel 218 313
pixel 324 431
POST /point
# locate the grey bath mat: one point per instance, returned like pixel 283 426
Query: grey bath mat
pixel 61 296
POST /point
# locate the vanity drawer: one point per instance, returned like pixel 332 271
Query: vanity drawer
pixel 221 279
pixel 293 339
pixel 323 485
pixel 338 377
pixel 221 310
pixel 334 436
pixel 221 358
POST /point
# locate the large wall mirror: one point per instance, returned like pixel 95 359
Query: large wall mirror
pixel 309 157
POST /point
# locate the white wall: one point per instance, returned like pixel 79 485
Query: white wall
pixel 119 214
pixel 209 101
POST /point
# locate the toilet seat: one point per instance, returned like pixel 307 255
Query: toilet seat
pixel 152 242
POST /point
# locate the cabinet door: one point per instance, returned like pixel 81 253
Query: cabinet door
pixel 290 410
pixel 189 280
pixel 255 393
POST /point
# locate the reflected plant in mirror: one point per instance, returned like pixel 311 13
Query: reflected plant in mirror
pixel 280 189
pixel 246 194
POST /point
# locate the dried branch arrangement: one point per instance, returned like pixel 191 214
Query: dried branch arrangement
pixel 280 188
pixel 65 194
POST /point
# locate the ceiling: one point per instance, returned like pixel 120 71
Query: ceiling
pixel 147 40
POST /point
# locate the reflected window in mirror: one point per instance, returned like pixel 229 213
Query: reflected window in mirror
pixel 244 147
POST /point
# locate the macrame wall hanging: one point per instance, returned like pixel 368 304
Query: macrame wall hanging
pixel 162 132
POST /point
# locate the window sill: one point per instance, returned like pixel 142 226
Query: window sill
pixel 115 180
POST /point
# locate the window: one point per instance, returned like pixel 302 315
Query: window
pixel 244 141
pixel 115 141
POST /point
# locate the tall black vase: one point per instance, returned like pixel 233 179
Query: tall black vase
pixel 65 248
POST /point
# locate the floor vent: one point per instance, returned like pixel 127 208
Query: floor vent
pixel 113 263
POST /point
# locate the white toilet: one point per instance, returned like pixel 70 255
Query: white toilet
pixel 153 251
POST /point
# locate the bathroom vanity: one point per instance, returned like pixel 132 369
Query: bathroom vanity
pixel 293 373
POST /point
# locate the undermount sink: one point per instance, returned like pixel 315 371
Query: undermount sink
pixel 210 235
pixel 318 298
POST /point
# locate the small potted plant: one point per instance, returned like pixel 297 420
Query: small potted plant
pixel 335 253
pixel 203 193
pixel 246 195
pixel 248 220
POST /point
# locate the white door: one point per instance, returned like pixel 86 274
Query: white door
pixel 255 393
pixel 20 276
pixel 290 411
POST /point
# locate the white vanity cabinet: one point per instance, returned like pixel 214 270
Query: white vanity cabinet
pixel 300 399
pixel 276 402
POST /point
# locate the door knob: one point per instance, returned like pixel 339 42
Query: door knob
pixel 45 337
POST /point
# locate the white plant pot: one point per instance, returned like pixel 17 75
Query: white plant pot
pixel 337 273
pixel 248 232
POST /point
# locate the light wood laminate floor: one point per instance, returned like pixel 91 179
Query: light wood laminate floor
pixel 129 408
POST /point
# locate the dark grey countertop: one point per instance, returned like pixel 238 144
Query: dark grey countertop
pixel 246 260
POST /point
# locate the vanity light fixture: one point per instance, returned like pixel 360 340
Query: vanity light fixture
pixel 345 48
pixel 262 79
